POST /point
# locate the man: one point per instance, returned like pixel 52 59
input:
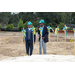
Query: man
pixel 44 36
pixel 29 39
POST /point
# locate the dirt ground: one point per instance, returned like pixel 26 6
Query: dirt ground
pixel 11 45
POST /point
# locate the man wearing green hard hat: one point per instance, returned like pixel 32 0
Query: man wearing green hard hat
pixel 29 39
pixel 43 36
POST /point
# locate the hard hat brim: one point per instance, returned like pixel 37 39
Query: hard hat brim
pixel 39 22
pixel 30 24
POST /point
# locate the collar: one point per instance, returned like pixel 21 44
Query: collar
pixel 29 28
pixel 43 26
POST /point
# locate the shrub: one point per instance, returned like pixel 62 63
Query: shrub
pixel 70 28
pixel 20 25
pixel 3 29
pixel 61 25
pixel 9 27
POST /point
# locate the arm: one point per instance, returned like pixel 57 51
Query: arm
pixel 26 35
pixel 46 33
pixel 39 33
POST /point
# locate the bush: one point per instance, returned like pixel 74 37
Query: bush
pixel 20 25
pixel 9 27
pixel 15 28
pixel 61 25
pixel 2 29
pixel 70 28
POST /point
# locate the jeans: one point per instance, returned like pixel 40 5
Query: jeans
pixel 43 46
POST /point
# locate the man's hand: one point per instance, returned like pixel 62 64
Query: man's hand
pixel 43 38
pixel 33 42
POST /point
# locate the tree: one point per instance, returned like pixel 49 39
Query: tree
pixel 50 17
pixel 27 16
pixel 4 18
pixel 14 19
pixel 73 17
pixel 20 24
pixel 25 25
pixel 36 23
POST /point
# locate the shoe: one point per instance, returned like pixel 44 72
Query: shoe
pixel 30 54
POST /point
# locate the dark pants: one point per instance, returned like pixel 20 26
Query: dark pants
pixel 29 45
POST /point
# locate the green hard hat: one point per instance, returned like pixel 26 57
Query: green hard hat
pixel 29 23
pixel 41 21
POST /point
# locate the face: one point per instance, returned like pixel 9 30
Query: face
pixel 29 26
pixel 41 24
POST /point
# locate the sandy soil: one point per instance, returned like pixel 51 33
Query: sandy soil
pixel 11 45
pixel 41 58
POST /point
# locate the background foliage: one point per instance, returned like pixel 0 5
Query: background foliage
pixel 17 21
